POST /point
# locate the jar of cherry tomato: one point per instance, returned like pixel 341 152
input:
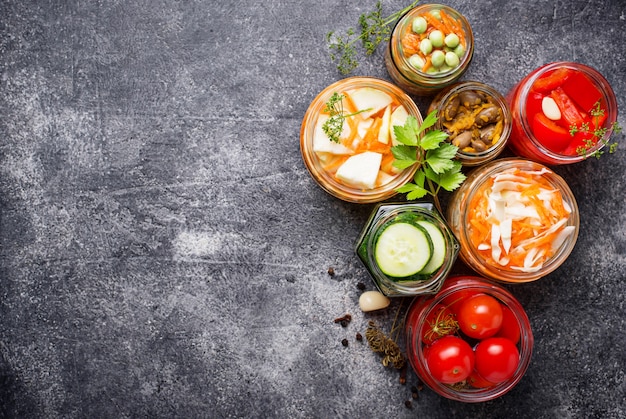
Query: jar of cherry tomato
pixel 481 367
pixel 562 112
pixel 515 219
pixel 430 47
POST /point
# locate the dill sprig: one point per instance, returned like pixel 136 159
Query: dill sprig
pixel 333 126
pixel 374 29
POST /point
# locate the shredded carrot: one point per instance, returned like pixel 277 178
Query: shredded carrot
pixel 334 164
pixel 450 22
pixel 428 63
pixel 410 44
pixel 436 23
pixel 540 217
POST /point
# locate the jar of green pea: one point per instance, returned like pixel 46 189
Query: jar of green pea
pixel 430 48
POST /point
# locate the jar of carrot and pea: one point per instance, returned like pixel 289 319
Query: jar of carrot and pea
pixel 430 47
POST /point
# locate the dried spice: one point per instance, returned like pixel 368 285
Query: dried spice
pixel 385 346
pixel 344 342
pixel 344 320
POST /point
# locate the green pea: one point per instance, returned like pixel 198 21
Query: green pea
pixel 419 25
pixel 416 61
pixel 452 40
pixel 444 68
pixel 459 51
pixel 436 37
pixel 436 14
pixel 438 58
pixel 452 59
pixel 426 46
pixel 432 70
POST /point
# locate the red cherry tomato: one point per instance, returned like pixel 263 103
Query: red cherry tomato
pixel 510 328
pixel 454 300
pixel 496 359
pixel 551 135
pixel 480 316
pixel 439 322
pixel 450 359
pixel 476 381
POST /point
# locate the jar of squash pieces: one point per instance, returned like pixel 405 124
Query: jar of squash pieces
pixel 477 119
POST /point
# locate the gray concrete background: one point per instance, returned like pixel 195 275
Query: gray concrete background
pixel 164 252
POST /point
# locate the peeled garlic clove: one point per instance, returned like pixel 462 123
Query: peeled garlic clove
pixel 550 108
pixel 372 301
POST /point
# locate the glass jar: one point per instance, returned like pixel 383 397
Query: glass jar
pixel 411 59
pixel 454 291
pixel 437 255
pixel 477 117
pixel 587 106
pixel 383 105
pixel 515 219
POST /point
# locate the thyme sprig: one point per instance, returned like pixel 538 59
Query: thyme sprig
pixel 597 134
pixel 374 29
pixel 435 157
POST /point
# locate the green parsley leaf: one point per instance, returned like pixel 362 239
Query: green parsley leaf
pixel 425 146
pixel 440 159
pixel 408 133
pixel 432 139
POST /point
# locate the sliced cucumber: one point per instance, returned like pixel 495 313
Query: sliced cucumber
pixel 439 247
pixel 403 249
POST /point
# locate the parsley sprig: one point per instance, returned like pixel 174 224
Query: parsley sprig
pixel 437 168
pixel 374 29
pixel 333 126
pixel 598 134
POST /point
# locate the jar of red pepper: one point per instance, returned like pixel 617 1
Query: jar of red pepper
pixel 562 113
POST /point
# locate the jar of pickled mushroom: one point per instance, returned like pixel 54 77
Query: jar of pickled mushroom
pixel 515 219
pixel 347 135
pixel 562 113
pixel 477 119
pixel 430 47
pixel 407 248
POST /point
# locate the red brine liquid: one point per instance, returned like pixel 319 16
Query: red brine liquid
pixel 562 113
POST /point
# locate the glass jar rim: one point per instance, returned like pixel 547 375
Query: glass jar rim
pixel 473 185
pixel 327 182
pixel 426 304
pixel 501 102
pixel 419 77
pixel 384 214
pixel 604 87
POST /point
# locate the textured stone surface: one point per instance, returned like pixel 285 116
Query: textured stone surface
pixel 164 252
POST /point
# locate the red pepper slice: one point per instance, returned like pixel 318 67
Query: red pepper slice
pixel 551 135
pixel 582 91
pixel 580 139
pixel 551 80
pixel 570 114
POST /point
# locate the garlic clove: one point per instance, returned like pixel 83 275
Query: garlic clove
pixel 372 301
